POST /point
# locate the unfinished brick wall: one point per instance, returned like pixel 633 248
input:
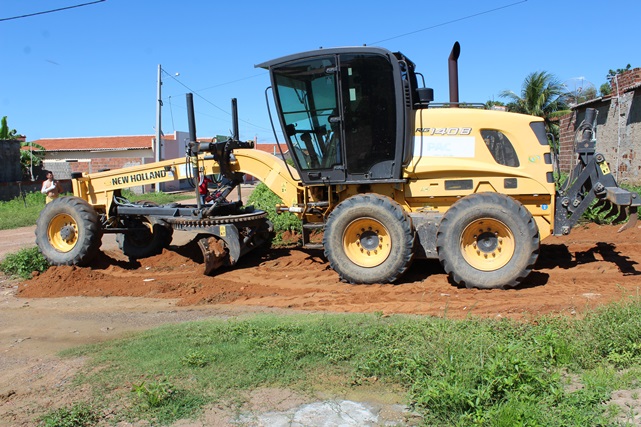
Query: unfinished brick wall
pixel 63 170
pixel 618 128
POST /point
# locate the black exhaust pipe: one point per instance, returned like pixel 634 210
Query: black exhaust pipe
pixel 234 119
pixel 453 71
pixel 191 121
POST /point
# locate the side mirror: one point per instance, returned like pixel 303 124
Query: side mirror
pixel 425 95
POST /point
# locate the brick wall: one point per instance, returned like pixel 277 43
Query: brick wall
pixel 567 126
pixel 618 128
pixel 626 80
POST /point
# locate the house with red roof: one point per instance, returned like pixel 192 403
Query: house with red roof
pixel 64 156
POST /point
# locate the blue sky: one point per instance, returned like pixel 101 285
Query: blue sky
pixel 91 71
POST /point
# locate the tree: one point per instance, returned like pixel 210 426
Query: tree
pixel 5 132
pixel 492 103
pixel 612 73
pixel 30 158
pixel 605 89
pixel 541 95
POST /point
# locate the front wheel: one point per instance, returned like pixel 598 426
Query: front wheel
pixel 487 241
pixel 369 239
pixel 68 232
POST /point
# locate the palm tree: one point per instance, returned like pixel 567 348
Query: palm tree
pixel 541 95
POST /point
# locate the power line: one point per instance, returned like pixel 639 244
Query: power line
pixel 51 11
pixel 449 22
pixel 211 103
pixel 233 81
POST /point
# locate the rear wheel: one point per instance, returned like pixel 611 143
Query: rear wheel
pixel 487 241
pixel 369 239
pixel 68 232
pixel 146 239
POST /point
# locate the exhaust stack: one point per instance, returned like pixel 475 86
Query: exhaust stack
pixel 453 72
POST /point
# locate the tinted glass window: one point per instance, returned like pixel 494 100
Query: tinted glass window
pixel 369 105
pixel 307 94
pixel 500 147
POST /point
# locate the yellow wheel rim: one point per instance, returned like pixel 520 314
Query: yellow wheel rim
pixel 487 244
pixel 63 232
pixel 367 242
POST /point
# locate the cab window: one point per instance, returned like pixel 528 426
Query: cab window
pixel 307 94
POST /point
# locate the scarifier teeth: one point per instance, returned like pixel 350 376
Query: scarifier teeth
pixel 632 219
pixel 622 214
pixel 603 206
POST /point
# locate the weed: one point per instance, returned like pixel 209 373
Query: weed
pixel 24 262
pixel 154 393
pixel 79 415
pixel 265 199
pixel 196 359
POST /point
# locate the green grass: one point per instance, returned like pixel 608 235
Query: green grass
pixel 158 198
pixel 78 415
pixel 473 372
pixel 23 212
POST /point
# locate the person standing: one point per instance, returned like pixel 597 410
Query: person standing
pixel 203 189
pixel 51 188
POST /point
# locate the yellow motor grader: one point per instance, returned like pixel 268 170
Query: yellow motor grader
pixel 387 175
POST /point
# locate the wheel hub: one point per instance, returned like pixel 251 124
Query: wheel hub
pixel 366 242
pixel 369 240
pixel 487 242
pixel 67 233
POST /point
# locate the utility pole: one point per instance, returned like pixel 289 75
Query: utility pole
pixel 31 159
pixel 158 122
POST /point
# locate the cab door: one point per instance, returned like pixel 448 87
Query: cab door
pixel 368 98
pixel 339 113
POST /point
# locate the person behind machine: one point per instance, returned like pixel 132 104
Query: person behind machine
pixel 203 190
pixel 51 188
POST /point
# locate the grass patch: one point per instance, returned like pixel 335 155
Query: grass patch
pixel 158 198
pixel 21 212
pixel 24 262
pixel 78 415
pixel 475 372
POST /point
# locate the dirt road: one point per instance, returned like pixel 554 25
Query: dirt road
pixel 593 265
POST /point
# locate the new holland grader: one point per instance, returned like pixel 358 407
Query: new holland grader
pixel 386 174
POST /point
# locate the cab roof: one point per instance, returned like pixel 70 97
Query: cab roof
pixel 324 52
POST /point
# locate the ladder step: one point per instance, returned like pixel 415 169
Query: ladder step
pixel 314 225
pixel 313 246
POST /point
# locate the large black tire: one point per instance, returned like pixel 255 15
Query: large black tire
pixel 369 239
pixel 488 241
pixel 149 238
pixel 68 232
